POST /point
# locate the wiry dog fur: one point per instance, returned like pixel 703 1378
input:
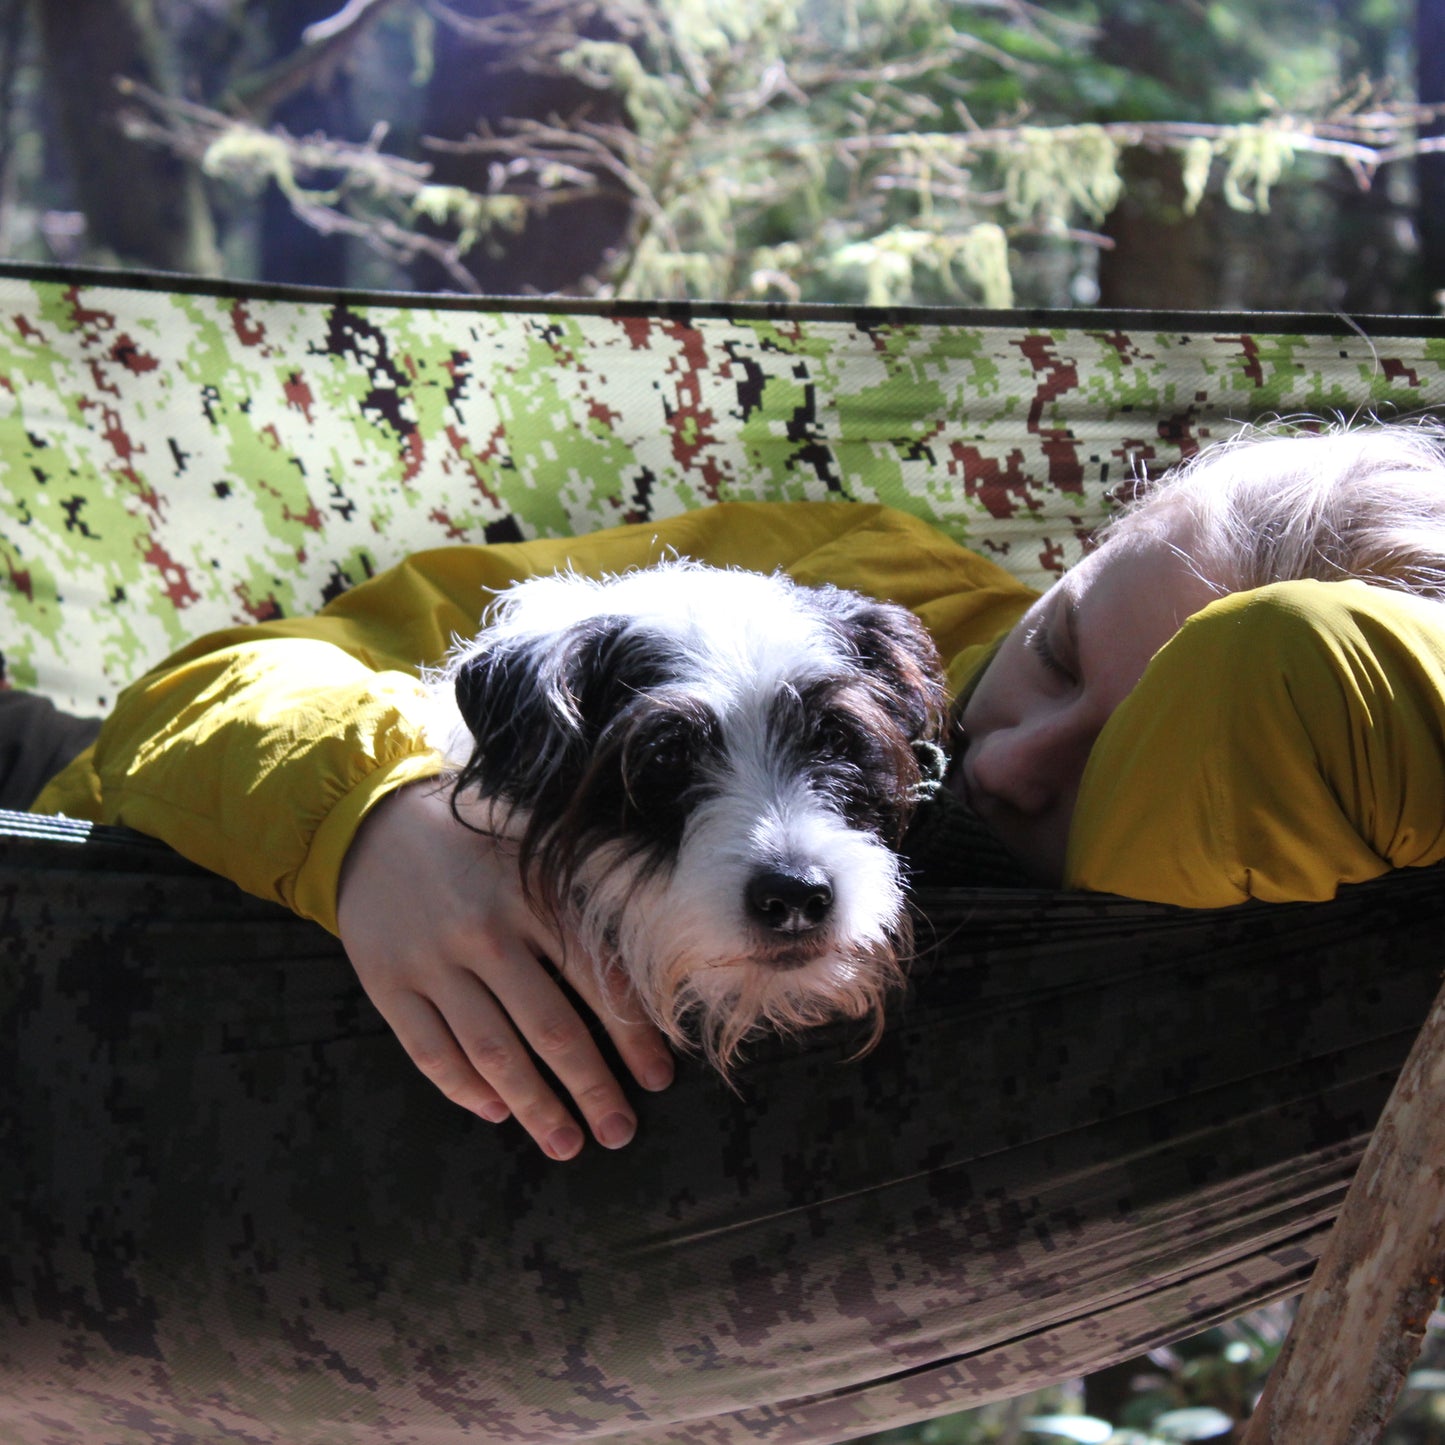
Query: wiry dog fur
pixel 708 773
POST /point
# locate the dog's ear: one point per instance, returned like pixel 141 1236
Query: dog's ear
pixel 900 659
pixel 535 704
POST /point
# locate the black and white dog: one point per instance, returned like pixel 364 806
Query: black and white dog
pixel 708 773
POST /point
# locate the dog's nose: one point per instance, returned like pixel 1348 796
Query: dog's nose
pixel 790 902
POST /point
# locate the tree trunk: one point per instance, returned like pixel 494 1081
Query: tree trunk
pixel 290 250
pixel 1160 258
pixel 474 84
pixel 141 203
pixel 1361 1322
pixel 1430 170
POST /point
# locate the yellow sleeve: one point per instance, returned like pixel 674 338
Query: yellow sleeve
pixel 1284 742
pixel 257 751
pixel 259 761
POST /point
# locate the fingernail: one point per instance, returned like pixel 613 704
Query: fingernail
pixel 615 1131
pixel 657 1076
pixel 495 1111
pixel 565 1142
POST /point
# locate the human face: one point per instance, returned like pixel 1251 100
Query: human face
pixel 1075 655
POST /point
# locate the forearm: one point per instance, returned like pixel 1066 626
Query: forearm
pixel 259 761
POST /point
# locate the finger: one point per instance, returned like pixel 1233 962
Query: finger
pixel 542 1013
pixel 495 1053
pixel 430 1045
pixel 609 993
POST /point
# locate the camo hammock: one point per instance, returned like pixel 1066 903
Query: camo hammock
pixel 233 1211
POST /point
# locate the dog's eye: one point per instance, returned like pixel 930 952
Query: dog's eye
pixel 832 738
pixel 661 767
pixel 664 763
pixel 667 756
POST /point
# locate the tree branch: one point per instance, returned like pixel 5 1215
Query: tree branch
pixel 388 239
pixel 324 46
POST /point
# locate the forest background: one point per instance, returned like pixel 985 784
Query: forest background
pixel 1177 154
pixel 989 152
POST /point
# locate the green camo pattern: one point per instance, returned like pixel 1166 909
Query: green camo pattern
pixel 172 462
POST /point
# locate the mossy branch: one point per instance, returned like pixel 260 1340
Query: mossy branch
pixel 759 151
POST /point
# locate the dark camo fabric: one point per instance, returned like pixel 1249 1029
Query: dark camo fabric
pixel 234 1212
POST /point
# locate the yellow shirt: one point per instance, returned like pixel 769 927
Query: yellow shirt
pixel 257 751
pixel 1285 741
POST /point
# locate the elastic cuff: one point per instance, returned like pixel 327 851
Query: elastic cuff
pixel 319 876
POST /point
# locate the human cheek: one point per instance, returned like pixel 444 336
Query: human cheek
pixel 1025 748
pixel 1010 750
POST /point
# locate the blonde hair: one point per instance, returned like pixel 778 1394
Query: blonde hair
pixel 1296 500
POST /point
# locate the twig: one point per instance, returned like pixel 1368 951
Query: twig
pixel 1424 146
pixel 1303 136
pixel 949 148
pixel 388 239
pixel 531 34
pixel 350 17
pixel 203 126
pixel 323 46
pixel 892 72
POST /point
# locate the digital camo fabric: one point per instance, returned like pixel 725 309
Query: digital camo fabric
pixel 175 459
pixel 234 1212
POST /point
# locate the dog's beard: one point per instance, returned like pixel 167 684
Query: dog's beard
pixel 703 971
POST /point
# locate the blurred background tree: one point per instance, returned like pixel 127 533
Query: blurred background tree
pixel 1201 153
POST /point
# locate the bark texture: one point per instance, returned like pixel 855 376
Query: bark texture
pixel 143 204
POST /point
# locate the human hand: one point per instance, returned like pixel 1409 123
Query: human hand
pixel 436 923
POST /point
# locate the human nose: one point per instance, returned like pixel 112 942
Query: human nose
pixel 1029 766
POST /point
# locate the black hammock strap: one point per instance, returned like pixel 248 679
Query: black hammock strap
pixel 233 1211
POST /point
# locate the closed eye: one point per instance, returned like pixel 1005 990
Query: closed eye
pixel 1038 643
pixel 1055 655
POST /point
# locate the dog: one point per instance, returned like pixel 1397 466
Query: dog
pixel 708 773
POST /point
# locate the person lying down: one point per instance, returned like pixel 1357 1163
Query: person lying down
pixel 1238 695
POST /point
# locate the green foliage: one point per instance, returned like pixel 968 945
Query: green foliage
pixel 1055 173
pixel 873 150
pixel 863 115
pixel 889 264
pixel 1255 158
pixel 249 159
pixel 472 215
